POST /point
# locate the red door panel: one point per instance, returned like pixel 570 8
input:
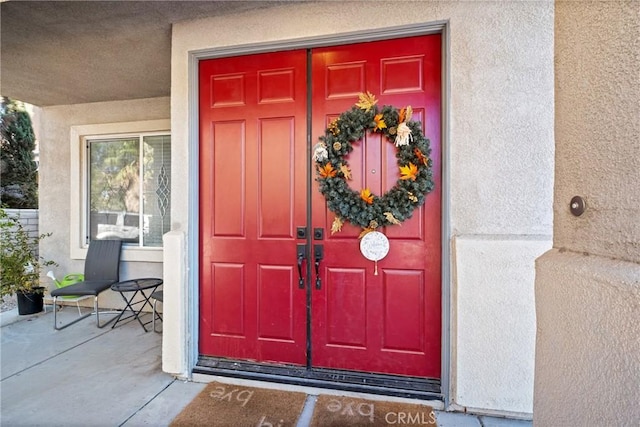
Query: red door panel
pixel 253 194
pixel 389 323
pixel 253 159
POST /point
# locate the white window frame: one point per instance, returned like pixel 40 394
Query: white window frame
pixel 79 168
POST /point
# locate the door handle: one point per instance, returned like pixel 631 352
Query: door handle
pixel 301 250
pixel 318 255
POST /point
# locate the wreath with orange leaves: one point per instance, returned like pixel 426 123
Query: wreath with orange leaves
pixel 363 208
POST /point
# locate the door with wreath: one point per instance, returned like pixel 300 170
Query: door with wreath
pixel 284 273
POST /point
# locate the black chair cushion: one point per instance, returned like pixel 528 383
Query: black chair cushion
pixel 90 287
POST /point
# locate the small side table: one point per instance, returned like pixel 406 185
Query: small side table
pixel 129 290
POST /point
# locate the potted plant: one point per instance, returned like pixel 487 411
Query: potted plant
pixel 20 264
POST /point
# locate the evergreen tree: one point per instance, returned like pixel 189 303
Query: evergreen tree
pixel 18 170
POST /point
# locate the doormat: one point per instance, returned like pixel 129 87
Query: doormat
pixel 334 411
pixel 238 406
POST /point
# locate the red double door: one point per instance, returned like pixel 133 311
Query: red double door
pixel 258 122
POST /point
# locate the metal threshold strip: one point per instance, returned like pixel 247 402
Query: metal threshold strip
pixel 363 382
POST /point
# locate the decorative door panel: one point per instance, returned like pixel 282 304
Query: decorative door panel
pixel 253 159
pixel 390 322
pixel 254 194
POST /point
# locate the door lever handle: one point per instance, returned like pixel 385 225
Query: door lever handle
pixel 318 255
pixel 302 255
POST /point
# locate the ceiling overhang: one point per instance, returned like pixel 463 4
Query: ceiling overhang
pixel 58 53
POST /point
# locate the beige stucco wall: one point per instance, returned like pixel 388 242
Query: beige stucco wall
pixel 499 165
pixel 598 127
pixel 587 368
pixel 53 128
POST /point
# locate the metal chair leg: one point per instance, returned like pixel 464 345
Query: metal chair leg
pixel 96 311
pixel 55 317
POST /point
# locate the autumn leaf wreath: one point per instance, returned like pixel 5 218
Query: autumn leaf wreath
pixel 363 208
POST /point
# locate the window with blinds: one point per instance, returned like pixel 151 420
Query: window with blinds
pixel 129 188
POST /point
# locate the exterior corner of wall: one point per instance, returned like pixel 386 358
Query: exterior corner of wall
pixel 174 335
pixel 495 322
pixel 587 349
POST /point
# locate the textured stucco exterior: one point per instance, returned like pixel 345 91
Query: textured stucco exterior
pixel 498 166
pixel 53 128
pixel 588 341
pixel 495 322
pixel 598 127
pixel 587 367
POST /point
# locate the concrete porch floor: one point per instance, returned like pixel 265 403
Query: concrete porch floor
pixel 85 376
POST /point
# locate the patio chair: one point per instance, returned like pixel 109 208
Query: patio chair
pixel 101 270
